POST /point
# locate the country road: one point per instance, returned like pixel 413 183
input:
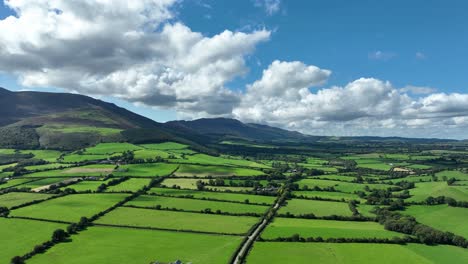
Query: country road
pixel 251 239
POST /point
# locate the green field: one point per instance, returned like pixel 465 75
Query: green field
pixel 19 236
pixel 182 183
pixel 353 253
pixel 452 174
pixel 165 146
pixel 40 183
pixel 328 195
pixel 130 185
pixel 434 189
pixel 146 170
pixel 70 208
pixel 18 198
pixel 106 245
pixel 318 208
pixel 179 220
pixel 47 166
pixel 442 217
pixel 83 186
pixel 340 186
pixel 96 170
pixel 212 160
pixel 365 210
pixel 196 205
pixel 286 227
pixel 111 148
pixel 186 170
pixel 150 154
pixel 76 158
pixel 216 195
pixel 47 155
pixel 14 183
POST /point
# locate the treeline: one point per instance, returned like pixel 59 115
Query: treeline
pixel 394 221
pixel 373 240
pixel 442 200
pixel 204 211
pixel 357 217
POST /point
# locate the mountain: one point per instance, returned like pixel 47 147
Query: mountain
pixel 219 128
pixel 72 121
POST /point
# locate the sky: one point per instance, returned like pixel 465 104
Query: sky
pixel 323 67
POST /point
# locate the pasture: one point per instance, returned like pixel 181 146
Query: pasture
pixel 70 208
pixel 234 197
pixel 442 217
pixel 354 253
pixel 434 189
pixel 318 208
pixel 145 170
pixel 19 236
pixel 328 195
pixel 178 220
pixel 286 227
pixel 130 185
pixel 186 170
pixel 188 204
pixel 18 198
pixel 126 245
pixel 111 148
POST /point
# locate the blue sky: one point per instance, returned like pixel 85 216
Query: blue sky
pixel 418 43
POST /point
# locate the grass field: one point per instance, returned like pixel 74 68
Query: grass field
pixel 328 195
pixel 83 186
pixel 75 158
pixel 96 170
pixel 216 195
pixel 14 182
pixel 14 199
pixel 146 170
pixel 150 154
pixel 286 227
pixel 340 186
pixel 19 236
pixel 108 245
pixel 318 208
pixel 70 208
pixel 47 166
pixel 452 174
pixel 179 220
pixel 130 185
pixel 212 160
pixel 111 148
pixel 182 183
pixel 186 170
pixel 196 205
pixel 442 217
pixel 165 146
pixel 47 155
pixel 365 210
pixel 434 189
pixel 353 253
pixel 40 183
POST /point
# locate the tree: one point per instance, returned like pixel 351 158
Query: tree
pixel 200 185
pixel 17 260
pixel 59 235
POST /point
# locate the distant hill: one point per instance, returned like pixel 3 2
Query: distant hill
pixel 73 121
pixel 231 128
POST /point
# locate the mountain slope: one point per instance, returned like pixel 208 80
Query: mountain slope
pixel 219 128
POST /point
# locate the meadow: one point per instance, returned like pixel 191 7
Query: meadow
pixel 286 227
pixel 84 186
pixel 353 253
pixel 130 185
pixel 188 204
pixel 19 236
pixel 178 220
pixel 14 183
pixel 186 170
pixel 347 187
pixel 125 245
pixel 434 189
pixel 328 195
pixel 111 148
pixel 70 208
pixel 442 217
pixel 18 198
pixel 215 195
pixel 318 208
pixel 95 170
pixel 146 170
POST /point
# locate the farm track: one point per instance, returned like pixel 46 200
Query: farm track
pixel 245 248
